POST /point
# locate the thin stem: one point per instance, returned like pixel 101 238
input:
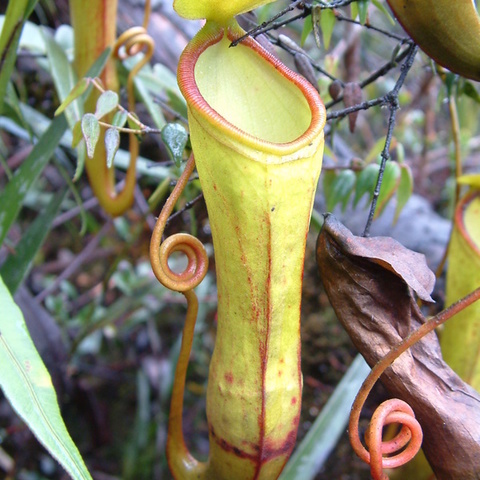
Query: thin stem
pixel 187 206
pixel 355 108
pixel 120 107
pixel 388 34
pixel 144 130
pixel 298 50
pixel 260 28
pixel 375 75
pixel 392 100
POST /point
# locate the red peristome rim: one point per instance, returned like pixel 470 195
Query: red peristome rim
pixel 459 219
pixel 213 33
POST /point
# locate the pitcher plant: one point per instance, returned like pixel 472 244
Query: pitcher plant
pixel 460 338
pixel 256 131
pixel 94 25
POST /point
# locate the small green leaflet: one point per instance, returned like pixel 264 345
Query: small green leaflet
pixel 338 188
pixel 175 138
pixel 112 143
pixel 119 119
pixel 91 132
pixel 78 90
pixel 106 103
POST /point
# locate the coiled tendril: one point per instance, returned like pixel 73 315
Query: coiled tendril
pixel 128 44
pixel 183 282
pixel 408 441
pixel 181 242
pixel 400 449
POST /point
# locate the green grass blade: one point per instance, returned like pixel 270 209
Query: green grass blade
pixel 15 17
pixel 18 264
pixel 63 75
pixel 322 437
pixel 27 385
pixel 11 199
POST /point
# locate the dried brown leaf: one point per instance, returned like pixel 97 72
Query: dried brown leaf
pixel 410 266
pixel 369 283
pixel 352 95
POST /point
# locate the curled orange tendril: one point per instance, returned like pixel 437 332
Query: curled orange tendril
pixel 183 282
pixel 180 242
pixel 408 440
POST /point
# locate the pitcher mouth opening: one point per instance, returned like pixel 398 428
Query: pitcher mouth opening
pixel 265 105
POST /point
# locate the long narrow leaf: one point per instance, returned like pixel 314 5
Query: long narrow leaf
pixel 64 77
pixel 322 437
pixel 11 199
pixel 18 264
pixel 27 385
pixel 17 13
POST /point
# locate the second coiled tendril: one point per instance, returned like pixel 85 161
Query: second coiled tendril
pixel 130 43
pixel 395 452
pixel 409 439
pixel 181 242
pixel 407 442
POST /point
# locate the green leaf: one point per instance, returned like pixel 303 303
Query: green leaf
pixel 65 81
pixel 15 17
pixel 91 132
pixel 18 264
pixel 145 82
pixel 307 29
pixel 404 190
pixel 375 151
pixel 363 10
pixel 366 182
pixel 390 183
pixel 16 114
pixel 470 91
pixel 119 119
pixel 77 134
pixel 450 82
pixel 112 143
pixel 131 122
pixel 340 187
pixel 175 138
pixel 323 435
pixel 12 198
pixel 28 387
pixel 327 22
pixel 384 10
pixel 106 103
pixel 64 77
pixel 78 90
pixel 354 10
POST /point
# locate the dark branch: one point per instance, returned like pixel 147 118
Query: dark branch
pixel 392 100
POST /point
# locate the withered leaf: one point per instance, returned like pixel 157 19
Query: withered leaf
pixel 352 95
pixel 369 284
pixel 304 67
pixel 410 266
pixel 335 89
